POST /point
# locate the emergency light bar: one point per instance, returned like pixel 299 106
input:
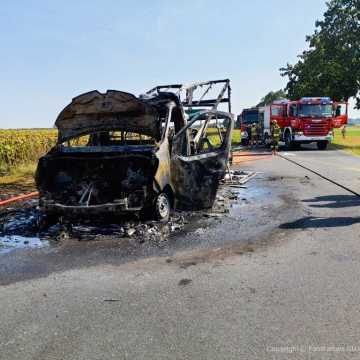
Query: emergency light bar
pixel 323 100
pixel 281 102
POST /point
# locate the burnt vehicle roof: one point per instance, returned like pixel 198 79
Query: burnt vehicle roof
pixel 113 110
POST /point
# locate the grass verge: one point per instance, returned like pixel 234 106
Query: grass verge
pixel 23 174
pixel 351 143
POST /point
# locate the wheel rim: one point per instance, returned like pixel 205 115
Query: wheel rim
pixel 163 207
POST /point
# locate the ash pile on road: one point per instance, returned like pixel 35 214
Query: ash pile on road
pixel 237 178
pixel 25 222
pixel 141 232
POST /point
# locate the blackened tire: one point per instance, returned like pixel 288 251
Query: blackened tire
pixel 162 207
pixel 322 145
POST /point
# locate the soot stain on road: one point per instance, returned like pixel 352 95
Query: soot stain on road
pixel 184 282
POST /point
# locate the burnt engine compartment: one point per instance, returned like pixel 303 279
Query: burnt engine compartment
pixel 86 179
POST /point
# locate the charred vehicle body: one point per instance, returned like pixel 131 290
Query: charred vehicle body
pixel 119 153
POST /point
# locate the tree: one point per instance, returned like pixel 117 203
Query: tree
pixel 331 65
pixel 272 96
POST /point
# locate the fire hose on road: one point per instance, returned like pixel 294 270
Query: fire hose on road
pixel 320 175
pixel 19 198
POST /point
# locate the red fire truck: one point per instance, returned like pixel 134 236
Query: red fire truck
pixel 246 119
pixel 308 120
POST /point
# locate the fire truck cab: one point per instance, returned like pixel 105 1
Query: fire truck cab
pixel 246 119
pixel 304 121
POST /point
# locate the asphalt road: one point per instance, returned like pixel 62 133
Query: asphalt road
pixel 279 279
pixel 334 164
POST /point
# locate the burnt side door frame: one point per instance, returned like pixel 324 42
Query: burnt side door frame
pixel 196 177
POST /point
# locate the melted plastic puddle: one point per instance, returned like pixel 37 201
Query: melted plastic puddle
pixel 12 242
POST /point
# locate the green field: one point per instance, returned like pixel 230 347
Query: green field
pixel 352 141
pixel 19 151
pixel 215 140
pixel 236 137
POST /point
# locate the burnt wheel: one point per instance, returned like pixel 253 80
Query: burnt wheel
pixel 162 207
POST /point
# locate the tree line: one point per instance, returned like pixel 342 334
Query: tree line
pixel 331 64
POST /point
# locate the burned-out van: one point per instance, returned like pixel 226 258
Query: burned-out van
pixel 118 153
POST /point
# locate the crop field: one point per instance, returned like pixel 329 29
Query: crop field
pixel 214 137
pixel 351 143
pixel 24 146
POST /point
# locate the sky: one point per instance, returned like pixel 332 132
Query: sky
pixel 53 50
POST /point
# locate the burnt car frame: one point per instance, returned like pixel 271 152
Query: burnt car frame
pixel 118 153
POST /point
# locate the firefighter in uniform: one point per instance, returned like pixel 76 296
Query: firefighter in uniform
pixel 259 133
pixel 254 135
pixel 275 137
